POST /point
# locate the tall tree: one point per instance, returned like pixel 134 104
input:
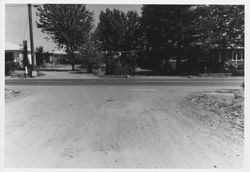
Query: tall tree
pixel 133 34
pixel 118 31
pixel 110 29
pixel 222 26
pixel 68 25
pixel 169 27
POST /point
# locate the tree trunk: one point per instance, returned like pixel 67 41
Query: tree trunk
pixel 178 60
pixel 73 67
pixel 223 58
pixel 73 61
pixel 179 49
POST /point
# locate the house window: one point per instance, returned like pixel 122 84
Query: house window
pixel 241 56
pixel 173 59
pixel 234 55
pixel 237 56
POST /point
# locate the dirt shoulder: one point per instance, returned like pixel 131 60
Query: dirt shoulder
pixel 221 110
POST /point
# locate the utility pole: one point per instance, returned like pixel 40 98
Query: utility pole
pixel 31 37
pixel 25 59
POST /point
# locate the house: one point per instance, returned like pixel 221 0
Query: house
pixel 212 59
pixel 233 57
pixel 14 53
pixel 58 57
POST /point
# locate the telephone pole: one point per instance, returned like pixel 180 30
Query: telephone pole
pixel 31 36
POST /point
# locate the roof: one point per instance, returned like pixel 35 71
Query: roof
pixel 13 47
pixel 58 52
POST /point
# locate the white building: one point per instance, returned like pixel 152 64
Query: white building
pixel 14 53
pixel 57 57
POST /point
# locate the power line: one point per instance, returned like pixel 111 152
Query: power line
pixel 10 6
pixel 20 23
pixel 25 29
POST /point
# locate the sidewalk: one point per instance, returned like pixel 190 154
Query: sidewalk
pixel 58 72
pixel 58 75
pixel 171 77
pixel 66 75
pixel 65 72
pixel 83 75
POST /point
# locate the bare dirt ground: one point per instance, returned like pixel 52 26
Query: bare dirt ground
pixel 119 127
pixel 222 109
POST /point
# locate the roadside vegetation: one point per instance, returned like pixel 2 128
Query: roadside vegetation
pixel 69 26
pixel 123 41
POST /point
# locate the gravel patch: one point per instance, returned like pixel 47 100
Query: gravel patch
pixel 221 109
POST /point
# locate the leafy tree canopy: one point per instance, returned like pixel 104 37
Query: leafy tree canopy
pixel 183 26
pixel 68 25
pixel 222 26
pixel 169 27
pixel 118 30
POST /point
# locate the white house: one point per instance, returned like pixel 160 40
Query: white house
pixel 14 53
pixel 58 57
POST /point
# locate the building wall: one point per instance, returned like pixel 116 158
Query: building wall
pixel 9 56
pixel 17 56
pixel 212 59
pixel 236 57
pixel 59 59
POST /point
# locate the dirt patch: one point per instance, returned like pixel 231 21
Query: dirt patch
pixel 11 93
pixel 221 109
pixel 70 152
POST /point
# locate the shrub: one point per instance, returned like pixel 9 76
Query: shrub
pixel 91 62
pixel 10 67
pixel 238 72
pixel 90 56
pixel 123 65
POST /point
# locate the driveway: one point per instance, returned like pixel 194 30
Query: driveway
pixel 133 126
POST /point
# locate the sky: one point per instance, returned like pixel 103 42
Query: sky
pixel 17 28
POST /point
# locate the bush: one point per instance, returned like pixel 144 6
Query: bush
pixel 123 65
pixel 238 72
pixel 91 62
pixel 10 67
pixel 90 56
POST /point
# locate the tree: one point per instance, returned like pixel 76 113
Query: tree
pixel 118 31
pixel 133 35
pixel 169 29
pixel 90 55
pixel 111 29
pixel 39 55
pixel 222 27
pixel 68 25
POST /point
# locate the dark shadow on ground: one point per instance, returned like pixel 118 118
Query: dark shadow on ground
pixel 55 70
pixel 147 73
pixel 79 71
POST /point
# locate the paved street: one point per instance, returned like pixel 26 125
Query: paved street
pixel 137 125
pixel 123 81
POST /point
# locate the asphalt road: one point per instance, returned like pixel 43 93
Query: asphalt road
pixel 122 81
